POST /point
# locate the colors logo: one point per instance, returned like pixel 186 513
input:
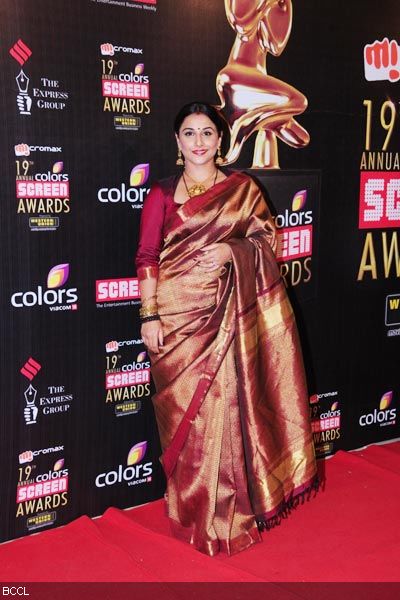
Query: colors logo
pixel 134 193
pixel 382 61
pixel 133 474
pixel 382 416
pixel 55 298
pixel 295 229
pixel 139 365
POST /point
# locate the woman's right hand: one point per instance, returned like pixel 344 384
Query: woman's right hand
pixel 152 335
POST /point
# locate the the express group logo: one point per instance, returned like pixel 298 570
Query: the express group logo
pixel 133 473
pixel 56 297
pixel 295 239
pixel 54 401
pixel 125 86
pixel 325 421
pixel 134 194
pixel 392 314
pixel 127 379
pixel 29 370
pixel 41 489
pixel 43 195
pixel 46 94
pixel 384 415
pixel 21 53
pixel 382 61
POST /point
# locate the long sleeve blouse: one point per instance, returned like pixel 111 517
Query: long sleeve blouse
pixel 159 206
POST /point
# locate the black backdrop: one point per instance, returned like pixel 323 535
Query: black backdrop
pixel 69 446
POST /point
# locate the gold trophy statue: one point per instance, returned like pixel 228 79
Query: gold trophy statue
pixel 252 100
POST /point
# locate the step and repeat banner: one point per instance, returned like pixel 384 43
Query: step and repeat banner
pixel 89 90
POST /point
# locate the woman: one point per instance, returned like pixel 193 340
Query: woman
pixel 231 402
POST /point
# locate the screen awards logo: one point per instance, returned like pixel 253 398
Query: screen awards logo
pixel 42 194
pixel 127 378
pixel 40 494
pixel 125 89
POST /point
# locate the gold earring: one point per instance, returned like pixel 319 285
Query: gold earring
pixel 179 160
pixel 219 160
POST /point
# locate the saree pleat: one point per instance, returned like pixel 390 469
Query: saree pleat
pixel 231 402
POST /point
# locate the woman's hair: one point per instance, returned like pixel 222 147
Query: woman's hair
pixel 196 108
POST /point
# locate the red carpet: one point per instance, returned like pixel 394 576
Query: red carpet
pixel 349 532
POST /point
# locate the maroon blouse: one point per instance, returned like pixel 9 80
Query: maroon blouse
pixel 158 208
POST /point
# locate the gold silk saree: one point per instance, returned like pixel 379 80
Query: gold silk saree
pixel 231 402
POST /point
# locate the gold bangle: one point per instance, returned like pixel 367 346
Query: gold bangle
pixel 148 311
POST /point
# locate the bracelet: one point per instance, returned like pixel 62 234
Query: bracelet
pixel 148 311
pixel 150 318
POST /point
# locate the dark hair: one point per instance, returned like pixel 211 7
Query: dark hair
pixel 196 108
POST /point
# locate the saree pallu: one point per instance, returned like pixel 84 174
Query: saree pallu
pixel 231 402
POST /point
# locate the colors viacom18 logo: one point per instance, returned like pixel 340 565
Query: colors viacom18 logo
pixel 382 416
pixel 134 194
pixel 56 297
pixel 134 473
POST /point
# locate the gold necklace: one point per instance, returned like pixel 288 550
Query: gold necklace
pixel 199 186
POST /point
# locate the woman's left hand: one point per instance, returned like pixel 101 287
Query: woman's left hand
pixel 214 256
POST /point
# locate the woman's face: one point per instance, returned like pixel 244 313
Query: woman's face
pixel 198 139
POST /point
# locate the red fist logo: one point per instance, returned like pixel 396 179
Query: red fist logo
pixel 107 49
pixel 382 61
pixel 25 457
pixel 22 150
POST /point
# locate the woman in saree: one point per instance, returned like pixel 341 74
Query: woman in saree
pixel 231 399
